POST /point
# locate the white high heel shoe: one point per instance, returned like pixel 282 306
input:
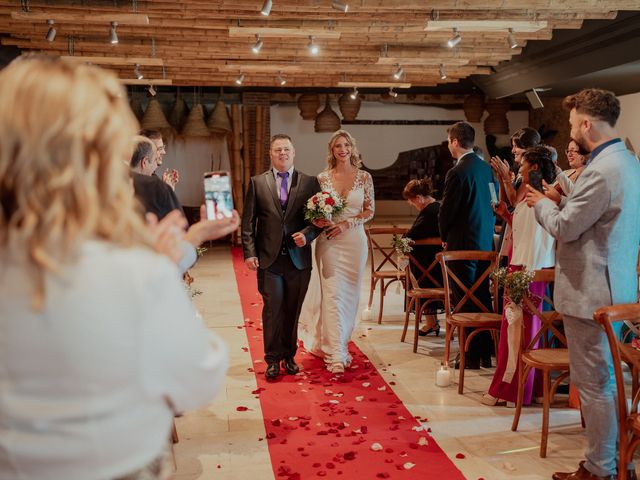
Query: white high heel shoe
pixel 335 367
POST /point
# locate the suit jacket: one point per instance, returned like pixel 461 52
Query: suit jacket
pixel 155 195
pixel 466 219
pixel 597 229
pixel 266 229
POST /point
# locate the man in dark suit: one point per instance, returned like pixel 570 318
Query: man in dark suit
pixel 156 196
pixel 276 241
pixel 466 222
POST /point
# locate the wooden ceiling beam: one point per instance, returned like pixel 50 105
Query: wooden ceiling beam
pixel 85 18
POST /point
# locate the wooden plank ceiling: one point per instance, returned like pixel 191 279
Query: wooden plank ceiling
pixel 209 43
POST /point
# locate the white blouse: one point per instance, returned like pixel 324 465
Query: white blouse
pixel 86 384
pixel 533 247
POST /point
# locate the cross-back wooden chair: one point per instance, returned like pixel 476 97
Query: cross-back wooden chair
pixel 384 268
pixel 628 418
pixel 456 319
pixel 418 297
pixel 538 354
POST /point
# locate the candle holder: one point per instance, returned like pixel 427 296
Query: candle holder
pixel 443 375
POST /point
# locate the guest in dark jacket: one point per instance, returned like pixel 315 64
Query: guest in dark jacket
pixel 418 193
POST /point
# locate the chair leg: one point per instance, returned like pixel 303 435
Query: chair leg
pixel 523 371
pixel 371 290
pixel 382 292
pixel 406 319
pixel 174 433
pixel 462 339
pixel 545 414
pixel 416 325
pixel 448 335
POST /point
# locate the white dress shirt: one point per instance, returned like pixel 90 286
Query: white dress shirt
pixel 86 383
pixel 533 247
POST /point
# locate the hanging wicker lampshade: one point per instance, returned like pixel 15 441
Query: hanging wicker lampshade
pixel 195 126
pixel 496 123
pixel 349 107
pixel 179 112
pixel 308 104
pixel 153 118
pixel 473 107
pixel 136 106
pixel 219 120
pixel 327 120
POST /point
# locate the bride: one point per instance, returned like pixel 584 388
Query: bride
pixel 330 307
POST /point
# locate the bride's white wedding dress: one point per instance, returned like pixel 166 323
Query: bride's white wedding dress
pixel 330 307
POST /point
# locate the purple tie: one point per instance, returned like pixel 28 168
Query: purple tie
pixel 284 194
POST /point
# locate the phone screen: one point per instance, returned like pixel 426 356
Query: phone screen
pixel 217 195
pixel 535 179
pixel 492 193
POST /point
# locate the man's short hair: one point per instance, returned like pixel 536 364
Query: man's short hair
pixel 463 132
pixel 280 136
pixel 597 103
pixel 152 134
pixel 144 147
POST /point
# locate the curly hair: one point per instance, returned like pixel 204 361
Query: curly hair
pixel 597 103
pixel 66 138
pixel 355 154
pixel 543 158
pixel 416 187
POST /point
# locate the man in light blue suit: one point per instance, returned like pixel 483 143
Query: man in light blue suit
pixel 597 229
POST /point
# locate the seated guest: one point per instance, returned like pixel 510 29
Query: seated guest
pixel 100 343
pixel 533 249
pixel 418 193
pixel 155 195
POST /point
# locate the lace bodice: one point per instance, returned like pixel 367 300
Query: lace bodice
pixel 360 199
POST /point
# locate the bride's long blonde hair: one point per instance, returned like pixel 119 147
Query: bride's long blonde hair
pixel 66 135
pixel 355 154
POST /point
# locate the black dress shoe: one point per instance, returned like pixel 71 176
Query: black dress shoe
pixel 485 362
pixel 469 364
pixel 272 372
pixel 290 366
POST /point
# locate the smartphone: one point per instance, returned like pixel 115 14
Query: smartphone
pixel 535 180
pixel 493 194
pixel 217 195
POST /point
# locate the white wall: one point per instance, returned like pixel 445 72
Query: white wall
pixel 628 122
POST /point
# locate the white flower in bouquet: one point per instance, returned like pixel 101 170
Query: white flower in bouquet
pixel 323 205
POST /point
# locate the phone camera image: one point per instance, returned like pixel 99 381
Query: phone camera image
pixel 217 195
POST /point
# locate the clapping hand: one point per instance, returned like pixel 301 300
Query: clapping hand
pixel 501 210
pixel 167 233
pixel 501 167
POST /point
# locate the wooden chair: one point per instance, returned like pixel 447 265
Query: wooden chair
pixel 418 297
pixel 480 320
pixel 628 418
pixel 384 268
pixel 543 358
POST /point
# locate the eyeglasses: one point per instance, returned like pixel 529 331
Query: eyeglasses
pixel 569 152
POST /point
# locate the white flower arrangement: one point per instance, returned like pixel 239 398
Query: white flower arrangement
pixel 324 205
pixel 402 245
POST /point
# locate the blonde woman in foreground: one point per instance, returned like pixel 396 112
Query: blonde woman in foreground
pixel 100 344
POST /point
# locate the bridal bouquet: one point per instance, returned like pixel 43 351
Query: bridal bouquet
pixel 324 205
pixel 402 245
pixel 516 284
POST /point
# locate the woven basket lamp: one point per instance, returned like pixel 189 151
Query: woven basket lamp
pixel 179 112
pixel 349 107
pixel 195 126
pixel 473 107
pixel 153 118
pixel 496 123
pixel 219 121
pixel 308 104
pixel 327 120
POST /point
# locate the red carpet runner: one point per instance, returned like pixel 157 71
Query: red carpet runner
pixel 320 425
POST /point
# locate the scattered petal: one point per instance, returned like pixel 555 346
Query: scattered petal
pixel 460 455
pixel 382 475
pixel 423 441
pixel 409 465
pixel 382 388
pixel 366 384
pixel 376 447
pixel 359 398
pixel 242 409
pixel 509 466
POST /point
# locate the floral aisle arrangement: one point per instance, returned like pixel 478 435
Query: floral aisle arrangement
pixel 403 246
pixel 516 288
pixel 324 206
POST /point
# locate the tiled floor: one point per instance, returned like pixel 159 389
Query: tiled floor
pixel 216 442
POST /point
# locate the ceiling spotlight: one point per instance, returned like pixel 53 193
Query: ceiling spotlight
pixel 313 48
pixel 240 79
pixel 398 73
pixel 152 91
pixel 455 40
pixel 51 33
pixel 113 35
pixel 443 74
pixel 281 80
pixel 393 93
pixel 258 45
pixel 137 72
pixel 266 8
pixel 343 7
pixel 511 38
pixel 354 94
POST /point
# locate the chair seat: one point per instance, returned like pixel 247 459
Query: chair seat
pixel 475 319
pixel 426 293
pixel 547 358
pixel 630 355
